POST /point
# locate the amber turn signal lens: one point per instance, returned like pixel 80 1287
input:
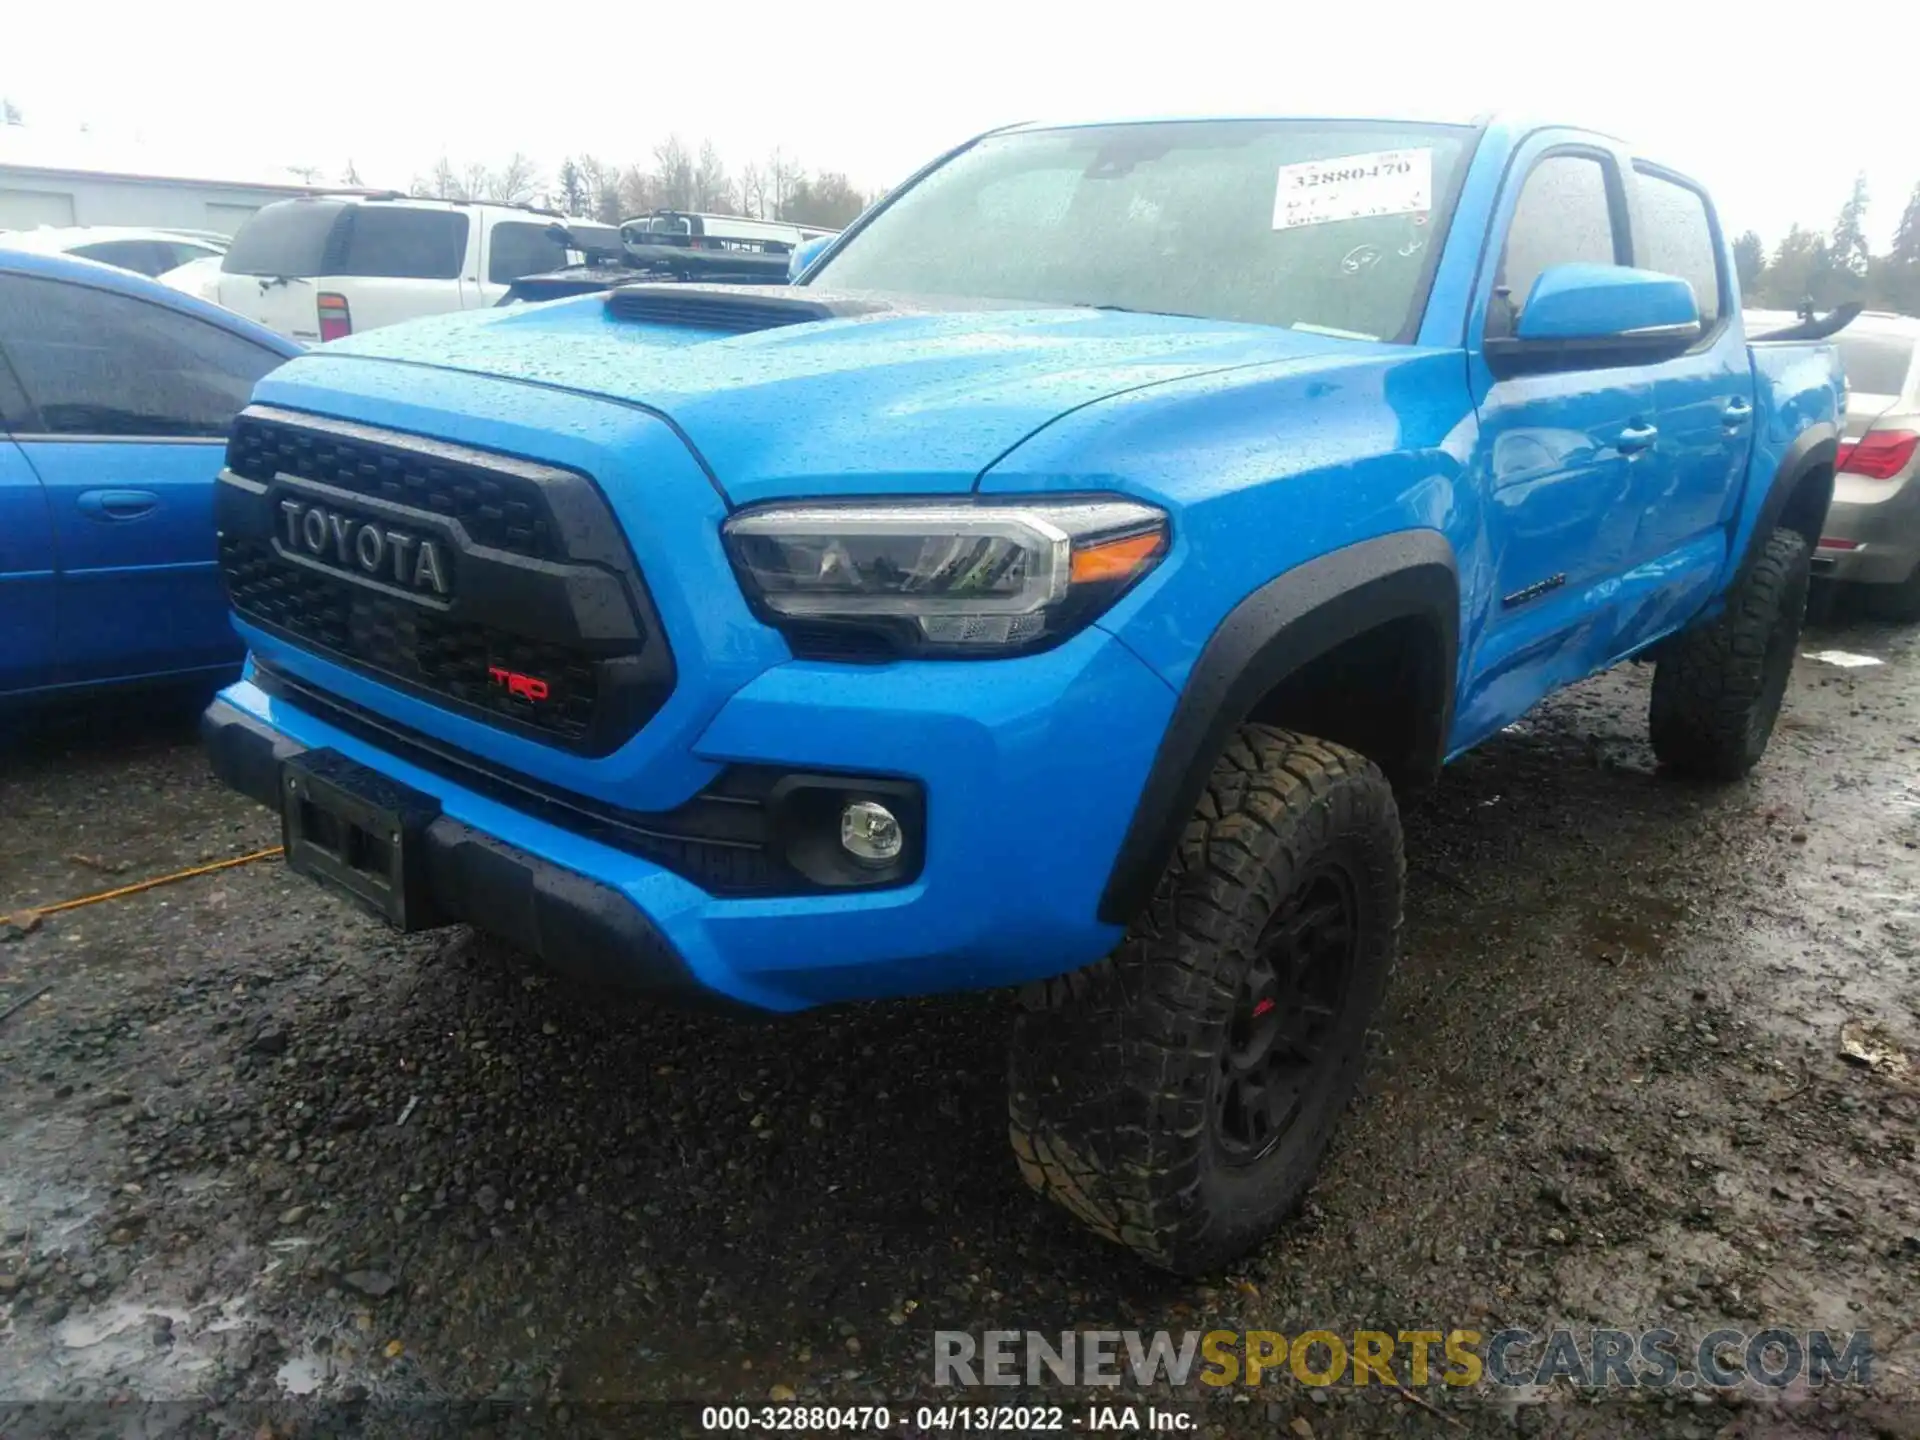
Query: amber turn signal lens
pixel 1115 559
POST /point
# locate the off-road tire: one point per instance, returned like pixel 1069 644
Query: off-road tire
pixel 1116 1069
pixel 1717 688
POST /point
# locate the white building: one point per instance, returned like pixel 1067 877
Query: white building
pixel 78 180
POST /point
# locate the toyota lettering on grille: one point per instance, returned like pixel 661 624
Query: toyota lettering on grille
pixel 381 552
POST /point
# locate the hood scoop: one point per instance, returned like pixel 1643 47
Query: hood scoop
pixel 735 309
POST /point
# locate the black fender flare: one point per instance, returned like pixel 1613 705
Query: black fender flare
pixel 1284 625
pixel 1816 446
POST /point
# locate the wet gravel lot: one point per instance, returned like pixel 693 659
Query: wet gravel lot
pixel 259 1153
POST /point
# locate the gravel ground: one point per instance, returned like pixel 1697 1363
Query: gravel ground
pixel 255 1148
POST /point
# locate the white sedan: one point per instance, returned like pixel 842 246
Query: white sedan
pixel 143 251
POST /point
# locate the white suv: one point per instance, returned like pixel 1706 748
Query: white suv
pixel 324 266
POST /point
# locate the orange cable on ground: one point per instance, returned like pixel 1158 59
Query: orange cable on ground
pixel 150 884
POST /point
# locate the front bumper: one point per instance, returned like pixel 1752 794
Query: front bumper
pixel 1030 770
pixel 1880 520
pixel 578 925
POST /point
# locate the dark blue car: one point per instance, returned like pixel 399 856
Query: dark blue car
pixel 116 394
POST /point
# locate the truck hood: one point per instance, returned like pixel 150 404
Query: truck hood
pixel 910 399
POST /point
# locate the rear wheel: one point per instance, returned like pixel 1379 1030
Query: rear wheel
pixel 1177 1096
pixel 1717 688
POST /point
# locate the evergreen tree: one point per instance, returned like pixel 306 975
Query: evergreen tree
pixel 1750 263
pixel 573 188
pixel 1906 240
pixel 1848 249
pixel 1896 277
pixel 1789 274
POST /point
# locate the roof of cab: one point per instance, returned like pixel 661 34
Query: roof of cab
pixel 1504 130
pixel 1084 122
pixel 75 270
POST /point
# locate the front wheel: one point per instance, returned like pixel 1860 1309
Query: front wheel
pixel 1177 1096
pixel 1717 688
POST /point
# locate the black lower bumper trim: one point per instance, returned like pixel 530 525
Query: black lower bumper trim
pixel 575 924
pixel 740 836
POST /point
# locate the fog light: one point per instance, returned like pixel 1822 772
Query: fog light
pixel 869 833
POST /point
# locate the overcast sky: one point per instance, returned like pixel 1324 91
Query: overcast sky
pixel 1774 113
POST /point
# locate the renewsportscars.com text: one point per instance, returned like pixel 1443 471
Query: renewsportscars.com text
pixel 1600 1357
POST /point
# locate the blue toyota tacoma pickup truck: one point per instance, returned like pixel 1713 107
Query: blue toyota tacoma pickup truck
pixel 1048 590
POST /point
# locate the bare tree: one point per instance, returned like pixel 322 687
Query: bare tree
pixel 712 190
pixel 439 184
pixel 753 191
pixel 513 183
pixel 673 174
pixel 10 113
pixel 639 192
pixel 680 177
pixel 602 185
pixel 351 175
pixel 777 184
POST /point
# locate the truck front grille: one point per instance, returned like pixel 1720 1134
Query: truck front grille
pixel 503 510
pixel 452 659
pixel 548 631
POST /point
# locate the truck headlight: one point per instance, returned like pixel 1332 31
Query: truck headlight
pixel 941 578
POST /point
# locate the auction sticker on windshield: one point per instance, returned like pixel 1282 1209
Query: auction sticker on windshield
pixel 1354 187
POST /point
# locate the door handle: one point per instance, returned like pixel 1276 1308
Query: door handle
pixel 1636 438
pixel 111 506
pixel 1738 412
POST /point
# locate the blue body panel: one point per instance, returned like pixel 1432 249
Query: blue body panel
pixel 1589 513
pixel 107 563
pixel 139 590
pixel 28 591
pixel 901 404
pixel 985 739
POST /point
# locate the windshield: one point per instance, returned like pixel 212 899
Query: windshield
pixel 1321 225
pixel 1875 364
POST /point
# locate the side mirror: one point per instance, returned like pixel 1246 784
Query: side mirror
pixel 1588 316
pixel 804 255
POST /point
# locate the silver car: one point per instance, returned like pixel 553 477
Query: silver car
pixel 1872 534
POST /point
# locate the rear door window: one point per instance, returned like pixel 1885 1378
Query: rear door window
pixel 183 252
pixel 1673 235
pixel 401 244
pixel 143 257
pixel 523 249
pixel 284 239
pixel 93 362
pixel 1565 215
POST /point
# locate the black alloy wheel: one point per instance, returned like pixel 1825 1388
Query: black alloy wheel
pixel 1277 1053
